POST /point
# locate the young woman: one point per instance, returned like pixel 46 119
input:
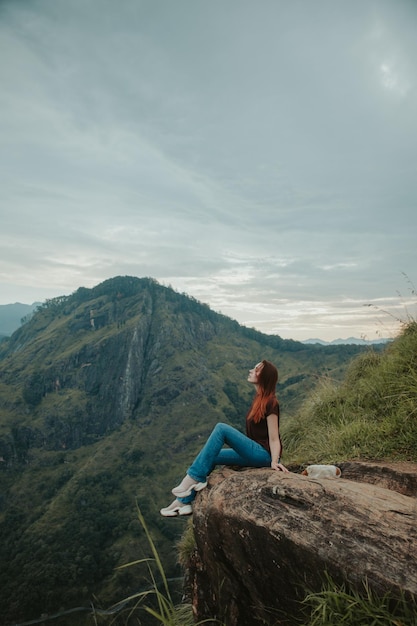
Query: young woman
pixel 260 447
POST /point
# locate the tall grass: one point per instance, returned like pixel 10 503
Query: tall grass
pixel 338 605
pixel 372 414
pixel 157 601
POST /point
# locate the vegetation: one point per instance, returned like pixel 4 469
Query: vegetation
pixel 371 414
pixel 105 395
pixel 349 607
pixel 158 600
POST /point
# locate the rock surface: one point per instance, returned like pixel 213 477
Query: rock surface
pixel 264 538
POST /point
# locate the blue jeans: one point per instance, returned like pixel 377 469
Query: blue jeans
pixel 242 451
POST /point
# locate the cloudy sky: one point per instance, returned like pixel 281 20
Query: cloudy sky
pixel 259 155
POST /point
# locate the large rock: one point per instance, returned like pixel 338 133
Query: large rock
pixel 264 538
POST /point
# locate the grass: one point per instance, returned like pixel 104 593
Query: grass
pixel 339 605
pixel 157 601
pixel 186 545
pixel 370 415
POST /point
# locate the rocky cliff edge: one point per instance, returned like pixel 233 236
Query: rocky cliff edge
pixel 265 538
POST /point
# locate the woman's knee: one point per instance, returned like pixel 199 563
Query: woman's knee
pixel 221 427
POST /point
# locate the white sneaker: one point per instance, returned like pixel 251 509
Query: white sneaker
pixel 183 492
pixel 176 508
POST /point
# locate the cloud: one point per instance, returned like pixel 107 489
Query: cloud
pixel 259 156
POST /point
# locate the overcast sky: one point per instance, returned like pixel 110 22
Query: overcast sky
pixel 258 155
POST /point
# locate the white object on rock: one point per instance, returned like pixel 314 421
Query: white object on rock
pixel 322 471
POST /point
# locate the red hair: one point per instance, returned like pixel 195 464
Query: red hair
pixel 267 381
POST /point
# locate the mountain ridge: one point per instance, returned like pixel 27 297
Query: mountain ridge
pixel 349 341
pixel 12 316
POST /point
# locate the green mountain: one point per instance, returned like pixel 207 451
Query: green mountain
pixel 105 396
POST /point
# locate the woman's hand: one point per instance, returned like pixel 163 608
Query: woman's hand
pixel 279 467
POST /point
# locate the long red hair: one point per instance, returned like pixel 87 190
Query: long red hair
pixel 267 382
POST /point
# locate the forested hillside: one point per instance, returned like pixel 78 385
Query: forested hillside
pixel 105 395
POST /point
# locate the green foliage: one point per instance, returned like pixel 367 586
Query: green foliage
pixel 345 606
pixel 34 389
pixel 186 545
pixel 370 415
pixel 157 600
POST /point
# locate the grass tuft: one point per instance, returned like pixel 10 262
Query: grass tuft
pixel 186 545
pixel 338 604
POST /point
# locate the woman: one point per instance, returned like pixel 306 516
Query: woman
pixel 260 447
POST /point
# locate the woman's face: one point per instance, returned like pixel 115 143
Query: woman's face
pixel 254 373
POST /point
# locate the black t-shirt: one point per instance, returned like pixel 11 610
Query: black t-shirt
pixel 259 431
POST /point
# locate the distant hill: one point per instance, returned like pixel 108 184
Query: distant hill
pixel 348 341
pixel 11 316
pixel 105 396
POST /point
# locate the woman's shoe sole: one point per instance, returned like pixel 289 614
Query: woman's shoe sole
pixel 187 509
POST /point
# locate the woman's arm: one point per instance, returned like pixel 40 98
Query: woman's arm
pixel 274 443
